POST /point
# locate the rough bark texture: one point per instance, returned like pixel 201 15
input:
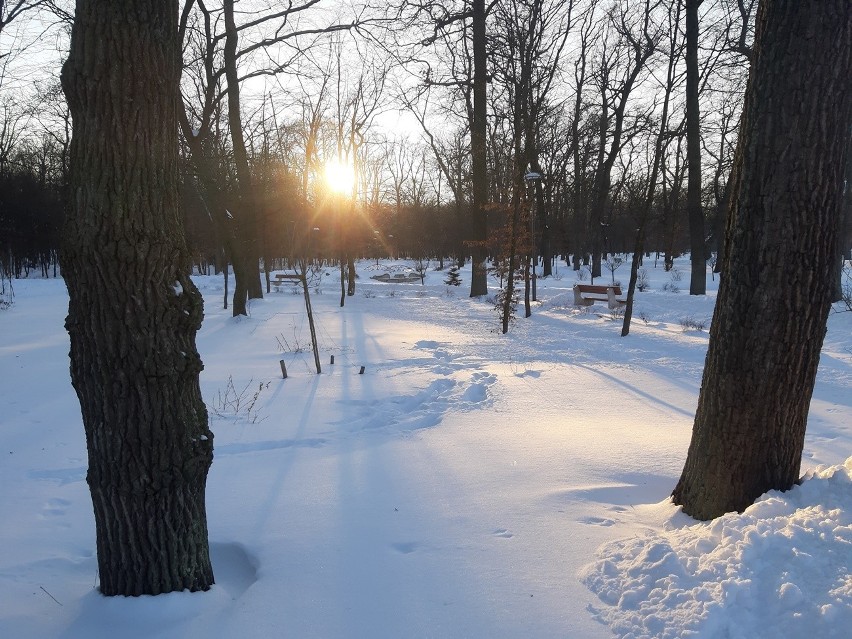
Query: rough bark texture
pixel 133 311
pixel 774 298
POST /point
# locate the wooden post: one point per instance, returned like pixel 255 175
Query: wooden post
pixel 283 369
pixel 361 372
pixel 304 279
pixel 332 360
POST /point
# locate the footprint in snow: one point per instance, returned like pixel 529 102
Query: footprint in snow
pixel 54 511
pixel 502 532
pixel 62 476
pixel 427 344
pixel 596 521
pixel 405 547
pixel 443 364
pixel 476 394
pixel 421 409
pixel 55 507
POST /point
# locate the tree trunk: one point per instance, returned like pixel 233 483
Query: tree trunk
pixel 133 311
pixel 246 262
pixel 698 279
pixel 350 271
pixel 543 222
pixel 478 135
pixel 771 311
pixel 342 280
pixel 509 293
pixel 648 204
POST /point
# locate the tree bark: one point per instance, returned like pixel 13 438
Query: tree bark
pixel 774 299
pixel 698 279
pixel 133 311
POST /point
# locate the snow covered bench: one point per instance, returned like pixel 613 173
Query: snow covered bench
pixel 588 294
pixel 282 278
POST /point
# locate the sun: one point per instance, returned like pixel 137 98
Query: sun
pixel 339 176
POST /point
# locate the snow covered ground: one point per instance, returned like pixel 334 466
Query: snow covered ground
pixel 468 484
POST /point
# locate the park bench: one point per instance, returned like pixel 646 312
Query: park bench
pixel 588 294
pixel 282 278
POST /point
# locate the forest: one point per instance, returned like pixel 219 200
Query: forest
pixel 157 153
pixel 581 93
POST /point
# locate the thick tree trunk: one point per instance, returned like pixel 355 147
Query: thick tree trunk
pixel 478 134
pixel 774 299
pixel 133 311
pixel 698 279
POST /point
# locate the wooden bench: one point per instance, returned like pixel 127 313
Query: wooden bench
pixel 588 294
pixel 282 278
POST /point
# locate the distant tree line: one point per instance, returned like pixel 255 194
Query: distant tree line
pixel 613 104
pixel 574 94
pixel 31 210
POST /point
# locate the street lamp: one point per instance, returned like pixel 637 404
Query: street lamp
pixel 530 178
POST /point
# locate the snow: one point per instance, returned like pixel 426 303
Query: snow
pixel 780 569
pixel 468 484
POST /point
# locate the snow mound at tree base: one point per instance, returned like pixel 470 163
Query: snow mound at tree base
pixel 782 568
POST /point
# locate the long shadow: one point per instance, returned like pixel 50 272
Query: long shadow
pixel 276 486
pixel 637 391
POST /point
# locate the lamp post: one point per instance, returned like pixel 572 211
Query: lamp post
pixel 531 178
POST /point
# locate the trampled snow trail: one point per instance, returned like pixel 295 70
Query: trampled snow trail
pixel 458 488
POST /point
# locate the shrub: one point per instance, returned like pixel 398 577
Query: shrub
pixel 642 280
pixel 671 287
pixel 689 323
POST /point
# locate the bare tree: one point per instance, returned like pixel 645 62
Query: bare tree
pixel 698 279
pixel 229 50
pixel 656 159
pixel 618 73
pixel 461 29
pixel 528 44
